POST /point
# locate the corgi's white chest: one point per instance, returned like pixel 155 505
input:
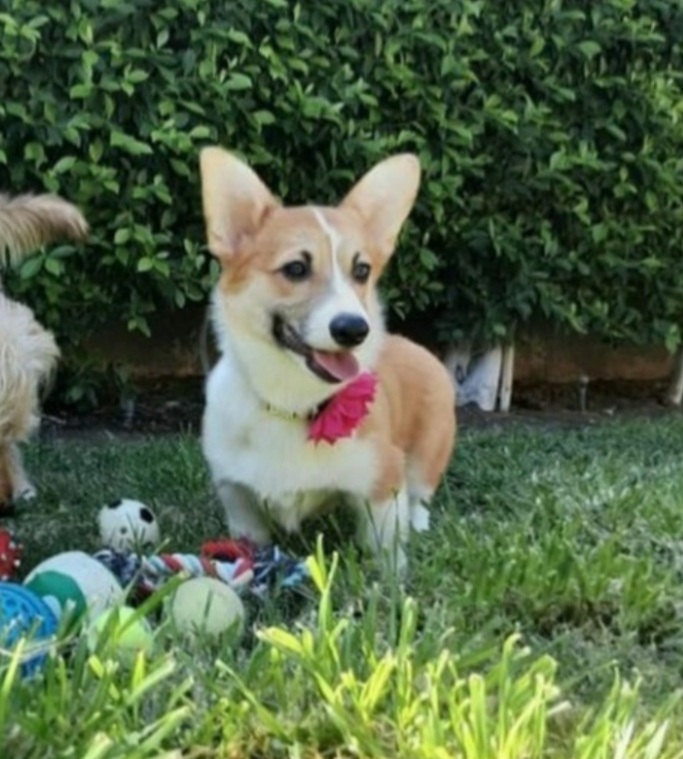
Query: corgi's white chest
pixel 245 443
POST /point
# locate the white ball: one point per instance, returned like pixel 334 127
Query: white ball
pixel 128 525
pixel 205 606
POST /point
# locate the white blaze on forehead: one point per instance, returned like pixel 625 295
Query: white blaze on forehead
pixel 341 298
pixel 335 241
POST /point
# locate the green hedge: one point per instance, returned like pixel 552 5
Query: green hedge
pixel 549 132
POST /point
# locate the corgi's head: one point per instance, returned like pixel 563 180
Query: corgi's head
pixel 297 294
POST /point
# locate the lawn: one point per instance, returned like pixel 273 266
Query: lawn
pixel 543 615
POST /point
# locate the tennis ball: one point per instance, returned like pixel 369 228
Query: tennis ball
pixel 205 606
pixel 125 634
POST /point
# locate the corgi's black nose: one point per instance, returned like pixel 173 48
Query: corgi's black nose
pixel 349 330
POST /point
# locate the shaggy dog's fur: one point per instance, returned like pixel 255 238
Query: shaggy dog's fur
pixel 28 352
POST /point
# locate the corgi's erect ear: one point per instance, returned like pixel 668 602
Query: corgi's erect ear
pixel 235 201
pixel 384 198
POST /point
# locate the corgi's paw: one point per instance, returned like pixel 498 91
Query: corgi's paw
pixel 419 518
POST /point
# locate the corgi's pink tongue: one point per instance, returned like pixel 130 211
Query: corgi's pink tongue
pixel 340 364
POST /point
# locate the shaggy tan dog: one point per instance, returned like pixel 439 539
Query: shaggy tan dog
pixel 28 352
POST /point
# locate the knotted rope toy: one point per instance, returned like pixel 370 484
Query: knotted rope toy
pixel 241 565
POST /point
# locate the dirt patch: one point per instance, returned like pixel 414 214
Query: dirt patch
pixel 560 405
pixel 159 407
pixel 163 407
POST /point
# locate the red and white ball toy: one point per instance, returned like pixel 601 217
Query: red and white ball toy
pixel 10 555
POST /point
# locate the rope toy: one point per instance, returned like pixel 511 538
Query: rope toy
pixel 239 564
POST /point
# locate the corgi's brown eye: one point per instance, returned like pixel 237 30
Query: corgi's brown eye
pixel 297 271
pixel 361 272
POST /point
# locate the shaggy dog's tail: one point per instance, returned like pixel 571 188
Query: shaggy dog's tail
pixel 28 222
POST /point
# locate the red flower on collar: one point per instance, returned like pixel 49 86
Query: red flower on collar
pixel 342 414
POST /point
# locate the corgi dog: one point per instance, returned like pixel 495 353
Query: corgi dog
pixel 311 399
pixel 28 352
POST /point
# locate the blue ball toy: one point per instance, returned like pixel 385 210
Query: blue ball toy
pixel 25 614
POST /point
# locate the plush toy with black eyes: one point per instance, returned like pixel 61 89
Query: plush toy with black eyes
pixel 127 525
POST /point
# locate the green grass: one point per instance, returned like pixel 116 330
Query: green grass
pixel 543 616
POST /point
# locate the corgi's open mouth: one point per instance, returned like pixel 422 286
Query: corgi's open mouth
pixel 330 366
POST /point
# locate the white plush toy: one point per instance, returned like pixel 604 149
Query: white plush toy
pixel 128 525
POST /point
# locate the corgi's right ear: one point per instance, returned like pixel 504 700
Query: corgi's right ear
pixel 235 201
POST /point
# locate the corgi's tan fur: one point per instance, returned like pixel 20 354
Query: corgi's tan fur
pixel 298 316
pixel 28 352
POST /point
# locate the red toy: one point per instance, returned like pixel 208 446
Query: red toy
pixel 10 555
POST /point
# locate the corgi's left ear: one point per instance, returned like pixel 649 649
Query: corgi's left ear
pixel 384 198
pixel 235 201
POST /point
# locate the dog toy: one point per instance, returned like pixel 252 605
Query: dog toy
pixel 239 564
pixel 10 555
pixel 271 568
pixel 148 573
pixel 128 525
pixel 23 614
pixel 205 606
pixel 74 584
pixel 125 631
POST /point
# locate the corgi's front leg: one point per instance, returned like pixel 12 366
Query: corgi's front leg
pixel 384 518
pixel 383 528
pixel 243 513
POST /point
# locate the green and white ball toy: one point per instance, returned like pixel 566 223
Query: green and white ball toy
pixel 75 585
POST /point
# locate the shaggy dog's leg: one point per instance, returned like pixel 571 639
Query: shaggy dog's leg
pixel 14 482
pixel 22 488
pixel 5 478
